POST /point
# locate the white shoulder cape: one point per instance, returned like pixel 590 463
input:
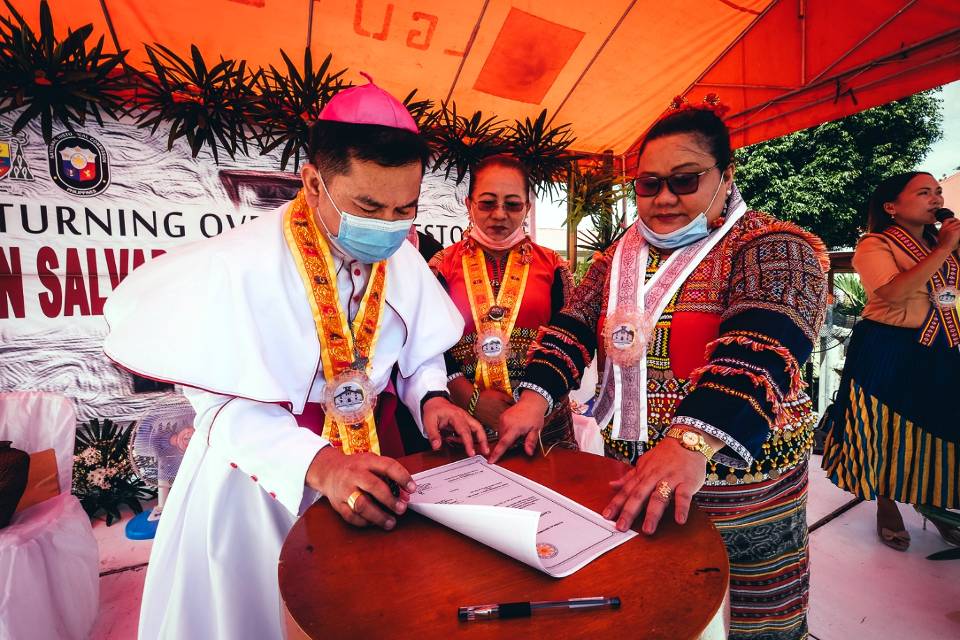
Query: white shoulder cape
pixel 230 315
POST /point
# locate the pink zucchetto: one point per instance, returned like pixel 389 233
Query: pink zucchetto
pixel 368 104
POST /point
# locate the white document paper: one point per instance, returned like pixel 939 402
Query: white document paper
pixel 514 515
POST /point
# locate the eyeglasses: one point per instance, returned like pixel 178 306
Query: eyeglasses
pixel 510 206
pixel 679 184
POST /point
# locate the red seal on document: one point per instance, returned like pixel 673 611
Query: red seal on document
pixel 546 550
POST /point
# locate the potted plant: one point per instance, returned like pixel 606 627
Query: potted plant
pixel 103 477
pixel 850 302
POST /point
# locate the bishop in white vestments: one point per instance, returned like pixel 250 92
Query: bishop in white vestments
pixel 283 333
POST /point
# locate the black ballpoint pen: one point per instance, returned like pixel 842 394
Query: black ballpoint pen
pixel 526 609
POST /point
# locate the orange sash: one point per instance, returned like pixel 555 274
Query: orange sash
pixel 492 373
pixel 340 348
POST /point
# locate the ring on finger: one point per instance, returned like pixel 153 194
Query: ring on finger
pixel 664 491
pixel 352 500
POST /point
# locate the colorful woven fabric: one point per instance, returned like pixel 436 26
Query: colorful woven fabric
pixel 548 287
pixel 895 429
pixel 764 528
pixel 725 358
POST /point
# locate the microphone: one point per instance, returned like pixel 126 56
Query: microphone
pixel 943 214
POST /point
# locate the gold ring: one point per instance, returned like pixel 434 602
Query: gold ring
pixel 664 490
pixel 352 499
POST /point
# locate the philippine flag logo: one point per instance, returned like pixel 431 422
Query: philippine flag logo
pixel 79 164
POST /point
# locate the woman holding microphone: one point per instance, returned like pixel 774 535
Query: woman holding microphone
pixel 895 432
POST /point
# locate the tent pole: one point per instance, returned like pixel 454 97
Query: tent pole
pixel 571 225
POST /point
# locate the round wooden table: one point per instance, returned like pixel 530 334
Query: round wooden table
pixel 337 581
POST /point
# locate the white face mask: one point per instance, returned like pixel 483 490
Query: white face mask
pixel 695 230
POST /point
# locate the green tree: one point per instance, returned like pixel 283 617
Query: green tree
pixel 822 177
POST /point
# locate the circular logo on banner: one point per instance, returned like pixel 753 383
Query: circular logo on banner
pixel 182 438
pixel 79 164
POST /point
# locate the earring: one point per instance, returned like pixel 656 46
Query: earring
pixel 729 191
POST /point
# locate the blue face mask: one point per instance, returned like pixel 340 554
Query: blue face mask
pixel 366 239
pixel 696 229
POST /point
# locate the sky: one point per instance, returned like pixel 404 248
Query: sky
pixel 943 159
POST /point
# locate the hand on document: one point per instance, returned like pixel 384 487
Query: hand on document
pixel 441 414
pixel 522 420
pixel 357 486
pixel 683 472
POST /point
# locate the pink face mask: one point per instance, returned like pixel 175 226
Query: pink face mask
pixel 497 245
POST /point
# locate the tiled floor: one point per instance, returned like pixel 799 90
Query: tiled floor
pixel 859 588
pixel 122 572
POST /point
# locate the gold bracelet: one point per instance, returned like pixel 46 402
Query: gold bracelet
pixel 474 397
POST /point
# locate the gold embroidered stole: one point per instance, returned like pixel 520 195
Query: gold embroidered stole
pixel 339 347
pixel 493 373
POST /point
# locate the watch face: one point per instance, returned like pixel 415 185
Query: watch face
pixel 690 439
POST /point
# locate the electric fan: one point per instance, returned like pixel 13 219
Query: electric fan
pixel 156 449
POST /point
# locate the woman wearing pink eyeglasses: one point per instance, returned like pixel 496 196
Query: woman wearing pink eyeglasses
pixel 702 314
pixel 506 287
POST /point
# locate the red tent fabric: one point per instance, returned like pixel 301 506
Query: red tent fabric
pixel 608 68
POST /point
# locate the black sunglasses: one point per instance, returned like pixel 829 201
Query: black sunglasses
pixel 679 184
pixel 510 206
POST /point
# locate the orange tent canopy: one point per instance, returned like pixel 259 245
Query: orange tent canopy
pixel 609 68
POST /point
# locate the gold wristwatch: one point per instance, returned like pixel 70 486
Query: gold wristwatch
pixel 691 440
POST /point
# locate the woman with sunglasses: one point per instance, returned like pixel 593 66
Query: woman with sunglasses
pixel 895 428
pixel 506 287
pixel 702 313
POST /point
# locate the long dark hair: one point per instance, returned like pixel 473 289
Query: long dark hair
pixel 888 191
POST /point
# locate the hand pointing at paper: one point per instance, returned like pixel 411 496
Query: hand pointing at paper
pixel 522 420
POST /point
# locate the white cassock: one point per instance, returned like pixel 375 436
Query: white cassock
pixel 229 319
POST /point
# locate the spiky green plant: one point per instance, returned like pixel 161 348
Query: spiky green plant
pixel 460 142
pixel 290 101
pixel 209 106
pixel 595 194
pixel 854 297
pixel 103 478
pixel 56 80
pixel 422 111
pixel 544 150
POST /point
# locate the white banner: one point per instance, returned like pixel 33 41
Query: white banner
pixel 80 214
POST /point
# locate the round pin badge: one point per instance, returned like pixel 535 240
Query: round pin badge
pixel 491 345
pixel 945 297
pixel 626 334
pixel 496 313
pixel 349 398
